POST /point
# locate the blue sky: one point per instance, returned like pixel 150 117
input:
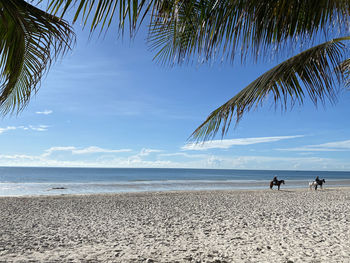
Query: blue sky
pixel 107 104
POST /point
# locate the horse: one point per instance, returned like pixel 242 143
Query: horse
pixel 278 183
pixel 312 184
pixel 317 183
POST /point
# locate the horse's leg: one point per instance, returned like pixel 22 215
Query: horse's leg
pixel 271 185
pixel 279 187
pixel 315 187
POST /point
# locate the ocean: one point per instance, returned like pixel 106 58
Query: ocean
pixel 26 181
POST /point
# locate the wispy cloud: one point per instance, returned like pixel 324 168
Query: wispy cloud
pixel 138 158
pixel 95 149
pixel 45 112
pixel 207 161
pixel 87 150
pixel 325 147
pixel 58 149
pixel 146 152
pixel 38 128
pixel 19 157
pixel 182 154
pixel 225 144
pixel 25 128
pixel 8 128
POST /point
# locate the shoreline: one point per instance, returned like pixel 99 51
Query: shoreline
pixel 298 225
pixel 57 189
pixel 283 189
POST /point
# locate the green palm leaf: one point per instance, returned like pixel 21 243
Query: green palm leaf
pixel 102 12
pixel 182 29
pixel 317 69
pixel 207 28
pixel 30 40
pixel 345 69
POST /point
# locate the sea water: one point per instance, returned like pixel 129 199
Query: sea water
pixel 23 181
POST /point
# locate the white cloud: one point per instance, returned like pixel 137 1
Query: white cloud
pixel 208 161
pixel 57 149
pixel 8 128
pixel 19 157
pixel 182 154
pixel 87 150
pixel 146 152
pixel 145 158
pixel 25 128
pixel 95 149
pixel 325 147
pixel 138 158
pixel 38 128
pixel 225 144
pixel 45 112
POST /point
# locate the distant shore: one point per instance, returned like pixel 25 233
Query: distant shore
pixel 291 225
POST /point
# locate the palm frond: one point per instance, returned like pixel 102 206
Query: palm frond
pixel 344 67
pixel 313 72
pixel 183 29
pixel 102 12
pixel 206 28
pixel 30 40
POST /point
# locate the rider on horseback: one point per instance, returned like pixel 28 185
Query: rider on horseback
pixel 317 180
pixel 274 180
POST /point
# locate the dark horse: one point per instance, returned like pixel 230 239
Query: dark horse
pixel 278 183
pixel 319 182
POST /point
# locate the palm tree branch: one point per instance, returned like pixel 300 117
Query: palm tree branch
pixel 102 12
pixel 344 67
pixel 204 28
pixel 30 39
pixel 314 71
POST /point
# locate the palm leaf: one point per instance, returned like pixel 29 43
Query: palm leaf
pixel 102 12
pixel 207 28
pixel 344 67
pixel 30 40
pixel 317 69
pixel 184 29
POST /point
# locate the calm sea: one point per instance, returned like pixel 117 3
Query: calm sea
pixel 19 181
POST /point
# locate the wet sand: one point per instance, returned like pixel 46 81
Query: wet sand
pixel 296 225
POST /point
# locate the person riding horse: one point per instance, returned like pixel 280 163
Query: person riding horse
pixel 319 182
pixel 274 180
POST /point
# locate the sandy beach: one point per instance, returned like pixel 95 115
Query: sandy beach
pixel 205 226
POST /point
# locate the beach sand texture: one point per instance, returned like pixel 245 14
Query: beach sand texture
pixel 205 226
